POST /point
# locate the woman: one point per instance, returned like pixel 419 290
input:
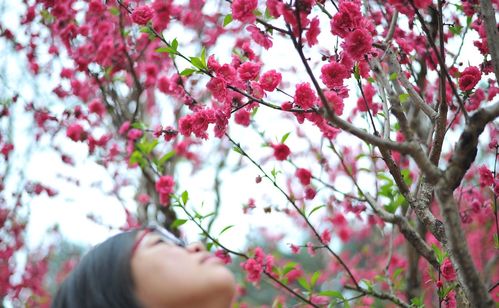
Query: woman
pixel 148 268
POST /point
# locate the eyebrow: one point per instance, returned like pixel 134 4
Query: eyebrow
pixel 139 240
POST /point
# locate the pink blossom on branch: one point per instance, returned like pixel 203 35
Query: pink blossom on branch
pixel 347 19
pixel 469 78
pixel 304 175
pixel 313 32
pixel 270 80
pixel 260 37
pixel 249 70
pixel 304 96
pixel 358 43
pixel 333 74
pixel 281 151
pixel 242 10
pixel 76 132
pixel 142 14
pixel 164 187
pixel 447 270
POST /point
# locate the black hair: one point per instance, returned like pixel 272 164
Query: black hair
pixel 103 278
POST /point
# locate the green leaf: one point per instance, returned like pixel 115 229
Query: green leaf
pixel 393 76
pixel 177 223
pixel 304 283
pixel 273 172
pixel 174 44
pixel 185 197
pixel 356 72
pixel 315 209
pixel 138 125
pixel 332 293
pixel 403 97
pixel 203 56
pixel 285 137
pixel 147 146
pixel 314 278
pixel 289 267
pixel 406 174
pixel 187 72
pixel 167 49
pixel 225 229
pixel 456 30
pixel 439 253
pixel 166 157
pixel 227 19
pixel 137 158
pixel 417 302
pixel 370 80
pixel 114 11
pixel 254 111
pixel 197 62
pixel 238 150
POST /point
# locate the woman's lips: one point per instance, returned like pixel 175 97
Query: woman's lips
pixel 209 258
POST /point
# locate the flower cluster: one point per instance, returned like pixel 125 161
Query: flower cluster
pixel 164 188
pixel 255 266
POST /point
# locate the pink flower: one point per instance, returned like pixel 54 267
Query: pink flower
pixel 260 37
pixel 281 151
pixel 326 236
pixel 124 128
pixel 333 74
pixel 304 95
pixel 335 101
pixel 242 117
pixel 142 15
pixel 249 70
pixel 304 175
pixel 319 299
pixel 486 177
pixel 162 11
pixel 469 78
pixel 76 132
pixel 143 199
pixel 6 149
pixel 294 249
pixel 270 80
pixel 294 274
pixel 223 255
pixel 253 270
pixel 97 107
pixel 134 134
pixel 358 43
pixel 218 88
pixel 422 4
pixel 313 32
pixel 242 10
pixel 310 193
pixel 450 300
pixel 273 6
pixel 200 122
pixel 164 187
pixel 163 84
pixel 347 18
pixel 447 270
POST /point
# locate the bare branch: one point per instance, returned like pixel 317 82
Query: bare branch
pixel 489 16
pixel 466 148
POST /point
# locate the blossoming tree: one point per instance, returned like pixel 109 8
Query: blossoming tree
pixel 387 112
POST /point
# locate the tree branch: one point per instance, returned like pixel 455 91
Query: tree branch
pixel 489 16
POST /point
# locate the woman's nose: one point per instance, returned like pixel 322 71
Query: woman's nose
pixel 196 247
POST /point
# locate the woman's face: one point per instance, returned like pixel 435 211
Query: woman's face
pixel 168 275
